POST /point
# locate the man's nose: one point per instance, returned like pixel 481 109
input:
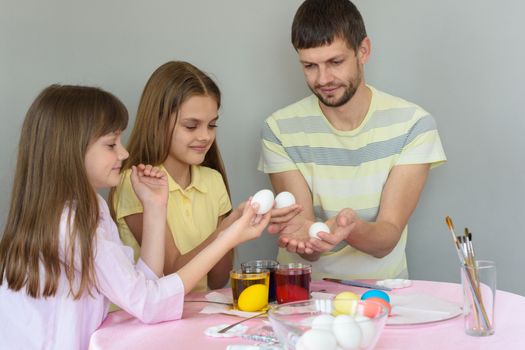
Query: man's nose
pixel 324 76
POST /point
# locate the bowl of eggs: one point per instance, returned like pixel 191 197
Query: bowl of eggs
pixel 329 324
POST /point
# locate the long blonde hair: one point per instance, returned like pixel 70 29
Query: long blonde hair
pixel 167 89
pixel 51 177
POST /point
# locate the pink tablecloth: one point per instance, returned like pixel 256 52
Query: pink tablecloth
pixel 121 331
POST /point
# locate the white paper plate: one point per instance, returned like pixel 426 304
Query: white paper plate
pixel 415 309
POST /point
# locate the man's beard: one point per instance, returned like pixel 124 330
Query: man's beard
pixel 349 92
pixel 347 95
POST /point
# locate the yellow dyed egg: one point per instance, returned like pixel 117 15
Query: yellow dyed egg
pixel 253 298
pixel 345 303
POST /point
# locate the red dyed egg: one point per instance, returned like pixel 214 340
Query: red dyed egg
pixel 381 301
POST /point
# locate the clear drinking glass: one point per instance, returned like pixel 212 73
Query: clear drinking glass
pixel 250 289
pixel 479 290
pixel 271 266
pixel 293 282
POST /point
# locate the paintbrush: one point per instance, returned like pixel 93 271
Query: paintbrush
pixel 357 284
pixel 455 239
pixel 470 273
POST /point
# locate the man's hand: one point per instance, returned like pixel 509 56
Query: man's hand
pixel 291 227
pixel 342 227
pixel 281 218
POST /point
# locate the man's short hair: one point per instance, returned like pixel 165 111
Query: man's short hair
pixel 319 22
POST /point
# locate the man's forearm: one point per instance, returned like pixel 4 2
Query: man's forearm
pixel 374 238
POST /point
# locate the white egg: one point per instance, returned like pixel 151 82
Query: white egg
pixel 317 227
pixel 347 332
pixel 299 345
pixel 323 322
pixel 265 200
pixel 368 330
pixel 317 339
pixel 284 199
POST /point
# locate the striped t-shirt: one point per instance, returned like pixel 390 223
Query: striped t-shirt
pixel 348 169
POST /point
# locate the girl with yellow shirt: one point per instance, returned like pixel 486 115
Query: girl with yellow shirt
pixel 175 129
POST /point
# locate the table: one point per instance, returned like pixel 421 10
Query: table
pixel 122 331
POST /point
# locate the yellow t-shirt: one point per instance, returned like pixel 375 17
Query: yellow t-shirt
pixel 348 169
pixel 193 212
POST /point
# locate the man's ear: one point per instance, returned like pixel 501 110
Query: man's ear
pixel 363 52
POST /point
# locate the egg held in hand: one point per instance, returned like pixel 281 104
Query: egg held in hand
pixel 318 227
pixel 253 298
pixel 284 199
pixel 265 200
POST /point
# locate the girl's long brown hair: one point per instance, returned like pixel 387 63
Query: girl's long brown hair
pixel 167 89
pixel 51 177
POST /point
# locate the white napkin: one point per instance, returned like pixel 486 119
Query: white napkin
pixel 223 309
pixel 219 297
pixel 236 331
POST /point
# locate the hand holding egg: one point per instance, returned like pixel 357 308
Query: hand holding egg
pixel 284 199
pixel 265 200
pixel 318 227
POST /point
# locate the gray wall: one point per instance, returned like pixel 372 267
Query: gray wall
pixel 461 60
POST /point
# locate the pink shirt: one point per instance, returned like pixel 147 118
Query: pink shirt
pixel 60 322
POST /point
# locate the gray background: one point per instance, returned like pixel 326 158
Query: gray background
pixel 460 60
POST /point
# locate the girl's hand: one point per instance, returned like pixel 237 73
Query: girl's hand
pixel 235 214
pixel 247 227
pixel 150 184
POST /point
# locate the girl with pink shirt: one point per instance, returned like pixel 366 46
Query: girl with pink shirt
pixel 61 259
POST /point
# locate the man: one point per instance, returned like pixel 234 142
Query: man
pixel 353 156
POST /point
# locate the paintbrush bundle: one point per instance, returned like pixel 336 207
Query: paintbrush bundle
pixel 469 266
